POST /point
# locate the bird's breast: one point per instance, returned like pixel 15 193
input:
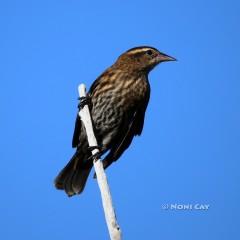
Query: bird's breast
pixel 115 100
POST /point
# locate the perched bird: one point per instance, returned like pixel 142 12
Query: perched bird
pixel 119 98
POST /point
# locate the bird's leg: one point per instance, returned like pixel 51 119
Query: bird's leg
pixel 84 101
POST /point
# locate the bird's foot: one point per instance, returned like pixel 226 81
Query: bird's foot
pixel 84 101
pixel 97 155
pixel 91 148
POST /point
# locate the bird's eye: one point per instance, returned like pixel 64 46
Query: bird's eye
pixel 149 52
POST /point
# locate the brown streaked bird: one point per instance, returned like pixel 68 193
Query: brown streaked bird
pixel 119 98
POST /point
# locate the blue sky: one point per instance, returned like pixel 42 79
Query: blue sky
pixel 188 152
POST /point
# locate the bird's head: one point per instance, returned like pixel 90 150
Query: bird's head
pixel 142 59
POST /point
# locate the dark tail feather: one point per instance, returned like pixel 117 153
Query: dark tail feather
pixel 74 175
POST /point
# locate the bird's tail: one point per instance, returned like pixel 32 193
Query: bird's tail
pixel 74 175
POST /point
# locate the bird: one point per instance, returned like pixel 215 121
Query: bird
pixel 118 99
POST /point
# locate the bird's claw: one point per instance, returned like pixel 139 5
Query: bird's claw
pixel 91 148
pixel 97 155
pixel 83 101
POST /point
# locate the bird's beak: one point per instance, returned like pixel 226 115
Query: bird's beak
pixel 162 57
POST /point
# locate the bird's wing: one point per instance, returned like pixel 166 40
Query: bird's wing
pixel 124 140
pixel 135 128
pixel 77 131
pixel 78 122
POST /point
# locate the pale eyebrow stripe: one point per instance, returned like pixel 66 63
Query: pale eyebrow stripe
pixel 138 50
